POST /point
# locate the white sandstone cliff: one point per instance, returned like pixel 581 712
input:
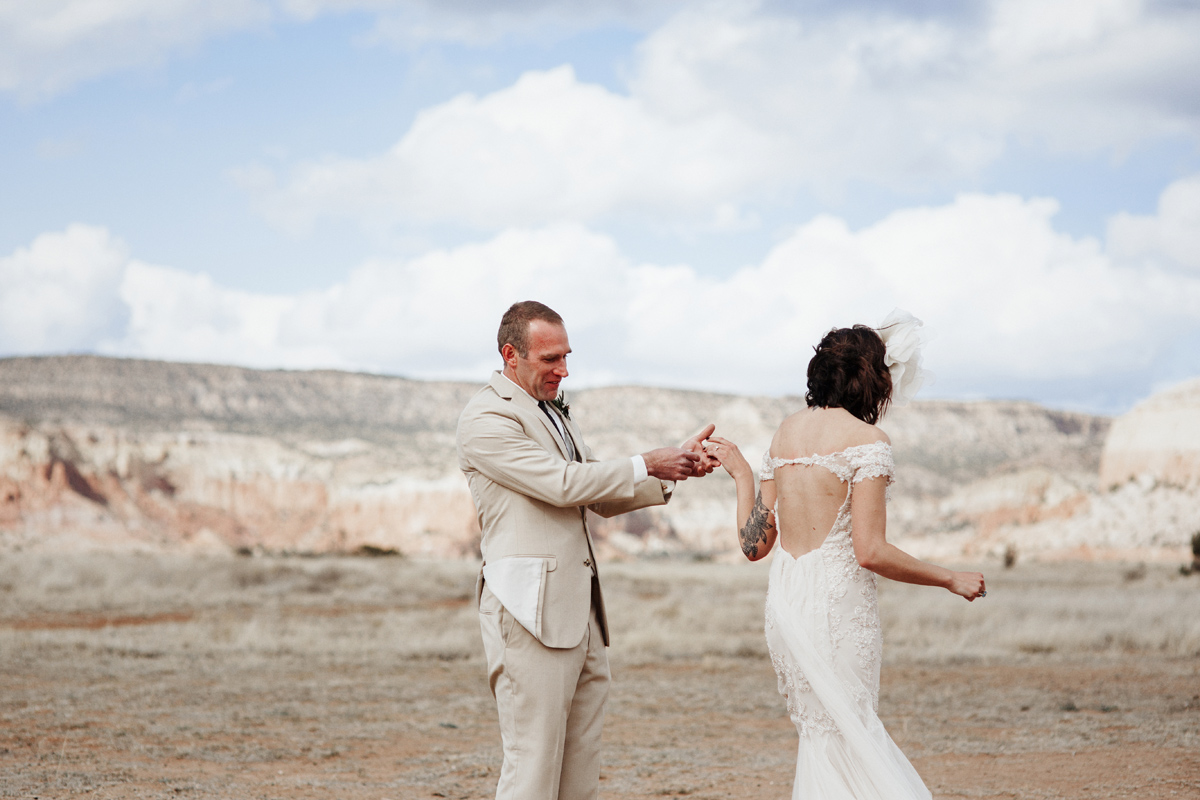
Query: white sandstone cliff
pixel 1159 440
pixel 113 453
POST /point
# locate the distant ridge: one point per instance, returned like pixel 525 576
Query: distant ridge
pixel 98 451
pixel 963 438
pixel 144 393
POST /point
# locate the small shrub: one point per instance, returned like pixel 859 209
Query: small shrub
pixel 374 551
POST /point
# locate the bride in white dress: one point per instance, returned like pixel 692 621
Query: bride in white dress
pixel 823 493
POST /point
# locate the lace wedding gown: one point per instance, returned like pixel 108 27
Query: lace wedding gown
pixel 822 627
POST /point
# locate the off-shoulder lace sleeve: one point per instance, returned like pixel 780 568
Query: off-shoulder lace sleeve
pixel 767 471
pixel 872 461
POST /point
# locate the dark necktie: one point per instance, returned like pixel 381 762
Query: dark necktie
pixel 562 430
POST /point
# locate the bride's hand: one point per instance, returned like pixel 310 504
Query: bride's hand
pixel 728 454
pixel 967 584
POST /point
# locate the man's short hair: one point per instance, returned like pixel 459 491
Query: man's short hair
pixel 514 325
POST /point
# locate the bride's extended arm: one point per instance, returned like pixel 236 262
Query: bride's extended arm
pixel 868 515
pixel 755 517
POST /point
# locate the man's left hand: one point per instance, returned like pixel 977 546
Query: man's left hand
pixel 707 462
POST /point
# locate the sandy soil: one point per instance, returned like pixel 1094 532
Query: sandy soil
pixel 185 694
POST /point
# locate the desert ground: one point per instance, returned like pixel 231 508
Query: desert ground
pixel 167 676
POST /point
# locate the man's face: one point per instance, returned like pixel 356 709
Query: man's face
pixel 545 365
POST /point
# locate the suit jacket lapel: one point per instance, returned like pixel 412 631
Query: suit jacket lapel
pixel 515 394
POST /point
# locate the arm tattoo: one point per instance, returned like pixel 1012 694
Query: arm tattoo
pixel 754 533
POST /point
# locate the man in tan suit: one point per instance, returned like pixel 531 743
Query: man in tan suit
pixel 540 608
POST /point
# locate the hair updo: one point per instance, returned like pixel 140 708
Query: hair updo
pixel 848 371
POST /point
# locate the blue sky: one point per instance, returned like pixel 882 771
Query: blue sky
pixel 700 188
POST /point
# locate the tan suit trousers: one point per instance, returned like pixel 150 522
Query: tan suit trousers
pixel 551 705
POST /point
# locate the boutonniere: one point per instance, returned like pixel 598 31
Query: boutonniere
pixel 562 405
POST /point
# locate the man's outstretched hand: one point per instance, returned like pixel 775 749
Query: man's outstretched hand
pixel 689 460
pixel 672 463
pixel 708 462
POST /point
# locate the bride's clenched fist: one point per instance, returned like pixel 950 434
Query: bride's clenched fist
pixel 967 584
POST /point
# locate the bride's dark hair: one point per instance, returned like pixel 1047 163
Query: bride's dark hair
pixel 848 372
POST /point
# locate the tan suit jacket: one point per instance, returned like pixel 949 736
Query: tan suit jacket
pixel 531 502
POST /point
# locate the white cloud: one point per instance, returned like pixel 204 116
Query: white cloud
pixel 60 293
pixel 1171 237
pixel 483 22
pixel 1019 300
pixel 1017 303
pixel 730 105
pixel 186 317
pixel 882 96
pixel 436 314
pixel 548 149
pixel 50 45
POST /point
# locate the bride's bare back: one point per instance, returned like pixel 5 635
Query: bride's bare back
pixel 808 497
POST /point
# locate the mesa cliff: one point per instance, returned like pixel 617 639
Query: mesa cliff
pixel 1159 438
pixel 126 454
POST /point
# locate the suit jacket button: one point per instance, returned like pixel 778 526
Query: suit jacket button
pixel 587 562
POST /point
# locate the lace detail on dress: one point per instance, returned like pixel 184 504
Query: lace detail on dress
pixel 868 638
pixel 794 687
pixel 841 568
pixel 852 465
pixel 876 462
pixel 767 471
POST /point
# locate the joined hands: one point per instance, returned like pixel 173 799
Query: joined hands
pixel 689 460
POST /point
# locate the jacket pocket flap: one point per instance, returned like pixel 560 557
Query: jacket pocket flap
pixel 551 561
pixel 516 581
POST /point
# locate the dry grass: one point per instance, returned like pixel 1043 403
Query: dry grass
pixel 659 610
pixel 1068 609
pixel 165 676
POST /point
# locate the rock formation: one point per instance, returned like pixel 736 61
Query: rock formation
pixel 1158 440
pixel 115 453
pixel 145 454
